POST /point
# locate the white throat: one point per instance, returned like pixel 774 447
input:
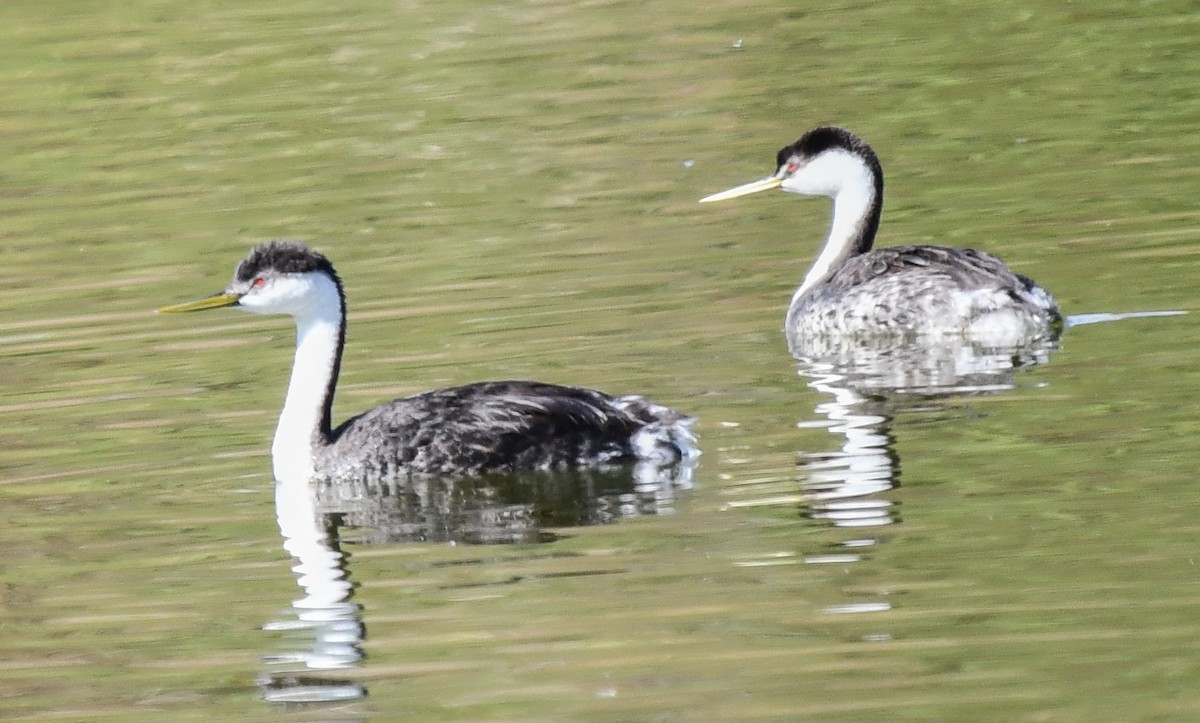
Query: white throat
pixel 846 179
pixel 299 430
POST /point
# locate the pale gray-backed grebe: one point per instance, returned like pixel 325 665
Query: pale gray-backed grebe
pixel 487 427
pixel 852 290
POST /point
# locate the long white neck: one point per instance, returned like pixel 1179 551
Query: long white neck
pixel 851 232
pixel 302 423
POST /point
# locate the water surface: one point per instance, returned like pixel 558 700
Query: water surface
pixel 510 192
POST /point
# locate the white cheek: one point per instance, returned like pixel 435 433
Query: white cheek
pixel 807 184
pixel 258 301
pixel 828 174
pixel 253 304
pixel 269 300
pixel 297 295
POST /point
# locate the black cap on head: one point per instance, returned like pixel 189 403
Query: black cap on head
pixel 283 257
pixel 822 139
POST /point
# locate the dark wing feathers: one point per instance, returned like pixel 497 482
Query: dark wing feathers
pixel 492 427
pixel 967 268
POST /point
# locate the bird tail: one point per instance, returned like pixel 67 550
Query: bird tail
pixel 665 445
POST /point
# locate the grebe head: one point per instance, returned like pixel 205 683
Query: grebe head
pixel 824 162
pixel 277 277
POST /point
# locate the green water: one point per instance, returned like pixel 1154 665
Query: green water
pixel 510 191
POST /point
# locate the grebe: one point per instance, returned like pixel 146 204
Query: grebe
pixel 900 290
pixel 481 428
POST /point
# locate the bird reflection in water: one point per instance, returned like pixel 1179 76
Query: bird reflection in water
pixel 499 508
pixel 326 626
pixel 869 383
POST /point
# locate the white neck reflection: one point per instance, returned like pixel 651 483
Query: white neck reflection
pixel 328 625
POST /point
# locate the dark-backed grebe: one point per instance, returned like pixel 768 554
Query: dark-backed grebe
pixel 486 427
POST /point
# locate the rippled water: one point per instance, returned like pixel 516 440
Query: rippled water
pixel 510 192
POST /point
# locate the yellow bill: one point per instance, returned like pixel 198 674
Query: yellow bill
pixel 215 301
pixel 763 184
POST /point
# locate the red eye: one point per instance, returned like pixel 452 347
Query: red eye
pixel 258 281
pixel 791 167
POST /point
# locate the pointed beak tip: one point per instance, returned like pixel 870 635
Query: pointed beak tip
pixel 763 184
pixel 212 302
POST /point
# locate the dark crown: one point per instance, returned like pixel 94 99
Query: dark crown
pixel 282 257
pixel 822 139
